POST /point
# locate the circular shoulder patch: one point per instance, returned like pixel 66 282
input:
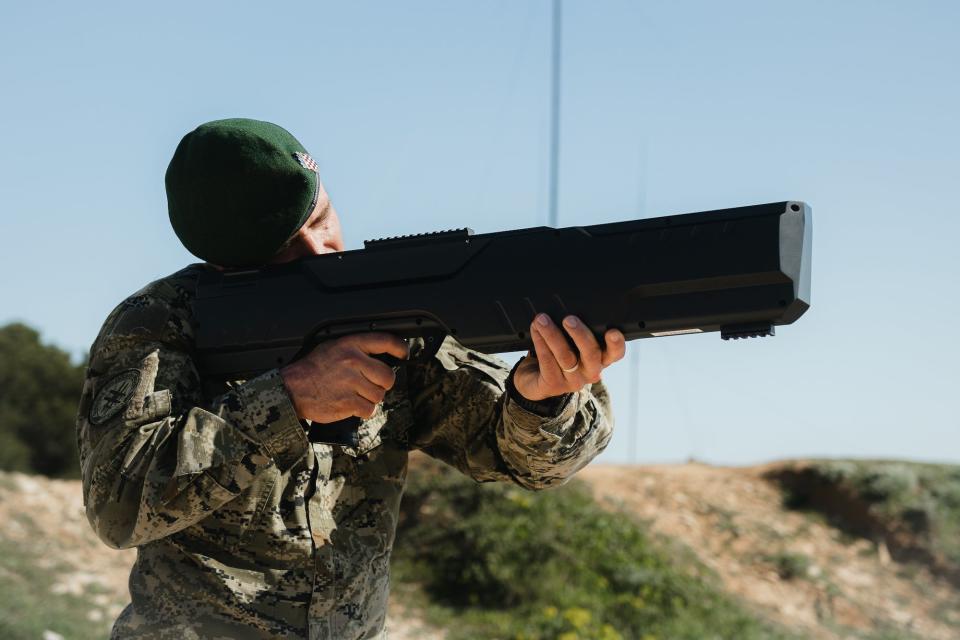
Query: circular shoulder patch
pixel 114 396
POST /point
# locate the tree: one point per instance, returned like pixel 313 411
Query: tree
pixel 39 392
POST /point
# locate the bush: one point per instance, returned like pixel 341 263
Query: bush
pixel 892 482
pixel 500 562
pixel 923 497
pixel 790 565
pixel 39 392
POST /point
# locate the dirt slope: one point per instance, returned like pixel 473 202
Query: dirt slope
pixel 792 566
pixel 42 521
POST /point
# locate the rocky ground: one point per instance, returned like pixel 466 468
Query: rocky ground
pixel 792 567
pixel 42 520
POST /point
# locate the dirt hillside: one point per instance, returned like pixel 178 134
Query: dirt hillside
pixel 791 566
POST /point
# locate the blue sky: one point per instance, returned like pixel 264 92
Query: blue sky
pixel 430 115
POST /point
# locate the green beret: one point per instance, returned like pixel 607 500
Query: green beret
pixel 238 189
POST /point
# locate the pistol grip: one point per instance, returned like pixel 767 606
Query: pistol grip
pixel 342 432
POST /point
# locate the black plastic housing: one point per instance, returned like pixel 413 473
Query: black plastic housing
pixel 739 271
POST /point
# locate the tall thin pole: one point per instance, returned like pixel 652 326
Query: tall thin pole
pixel 555 116
pixel 634 401
pixel 634 348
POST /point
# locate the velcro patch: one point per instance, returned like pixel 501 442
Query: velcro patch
pixel 114 396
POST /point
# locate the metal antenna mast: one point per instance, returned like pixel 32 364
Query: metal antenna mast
pixel 555 116
pixel 634 362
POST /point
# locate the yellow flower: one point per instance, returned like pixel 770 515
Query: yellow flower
pixel 520 499
pixel 609 633
pixel 569 635
pixel 550 611
pixel 577 616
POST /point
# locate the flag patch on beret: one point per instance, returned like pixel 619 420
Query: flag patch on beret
pixel 306 161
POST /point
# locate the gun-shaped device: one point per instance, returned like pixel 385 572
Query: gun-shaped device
pixel 737 271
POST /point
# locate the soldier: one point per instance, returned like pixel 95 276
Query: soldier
pixel 245 528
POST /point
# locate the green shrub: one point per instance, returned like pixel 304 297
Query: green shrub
pixel 14 454
pixel 891 482
pixel 924 497
pixel 497 561
pixel 790 565
pixel 39 393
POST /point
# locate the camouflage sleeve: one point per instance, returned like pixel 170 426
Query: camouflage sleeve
pixel 464 417
pixel 155 457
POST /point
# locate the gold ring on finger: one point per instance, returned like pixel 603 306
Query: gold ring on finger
pixel 573 368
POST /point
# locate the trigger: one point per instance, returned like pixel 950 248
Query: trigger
pixel 421 349
pixel 424 347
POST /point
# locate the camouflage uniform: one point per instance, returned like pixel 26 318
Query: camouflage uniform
pixel 246 529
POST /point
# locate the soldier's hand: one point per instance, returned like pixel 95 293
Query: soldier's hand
pixel 555 368
pixel 340 379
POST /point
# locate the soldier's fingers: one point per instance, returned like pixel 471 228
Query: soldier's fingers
pixel 377 372
pixel 556 342
pixel 549 368
pixel 363 408
pixel 368 390
pixel 616 347
pixel 587 346
pixel 379 342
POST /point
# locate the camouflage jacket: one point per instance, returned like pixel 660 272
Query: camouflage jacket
pixel 246 529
